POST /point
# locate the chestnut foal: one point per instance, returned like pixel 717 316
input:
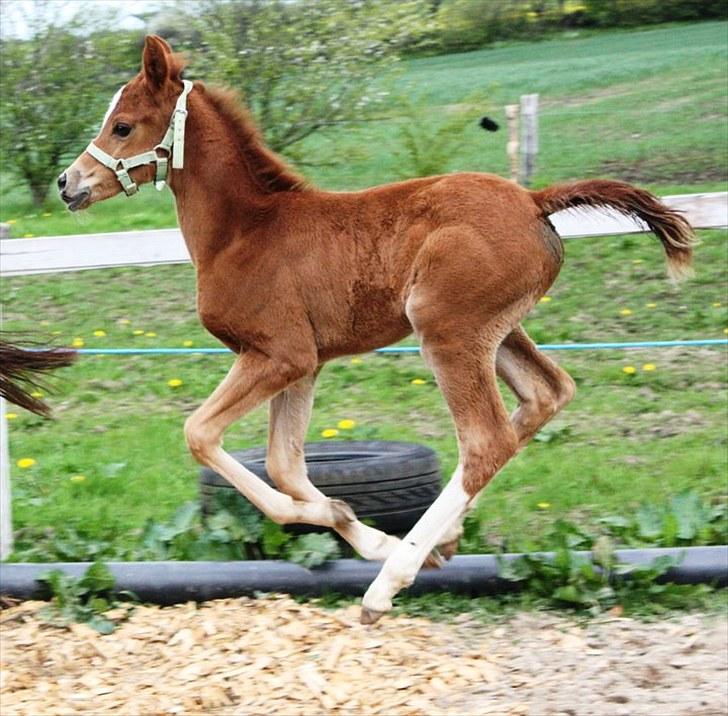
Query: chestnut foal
pixel 289 277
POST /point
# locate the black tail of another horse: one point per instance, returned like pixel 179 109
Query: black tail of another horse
pixel 21 370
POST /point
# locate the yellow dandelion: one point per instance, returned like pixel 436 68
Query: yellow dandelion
pixel 346 424
pixel 725 330
pixel 329 433
pixel 99 333
pixel 174 382
pixel 187 344
pixel 36 394
pixel 123 321
pixel 418 381
pixel 648 367
pixel 137 332
pixel 28 236
pixel 46 214
pixel 625 312
pixel 25 462
pixel 11 221
pixel 544 299
pixel 11 416
pixel 78 342
pixel 629 369
pixel 356 361
pixel 717 304
pixel 77 478
pixel 150 334
pixel 543 505
pixel 650 305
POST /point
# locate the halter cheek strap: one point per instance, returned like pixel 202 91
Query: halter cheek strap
pixel 173 143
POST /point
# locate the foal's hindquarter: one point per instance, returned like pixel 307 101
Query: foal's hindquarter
pixel 460 260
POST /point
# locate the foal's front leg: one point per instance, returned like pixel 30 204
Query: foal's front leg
pixel 252 379
pixel 290 412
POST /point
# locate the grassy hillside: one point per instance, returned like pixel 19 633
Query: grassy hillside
pixel 644 105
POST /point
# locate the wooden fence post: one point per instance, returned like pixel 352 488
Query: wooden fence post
pixel 6 520
pixel 512 146
pixel 529 136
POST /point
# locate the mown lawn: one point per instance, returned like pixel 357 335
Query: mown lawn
pixel 648 106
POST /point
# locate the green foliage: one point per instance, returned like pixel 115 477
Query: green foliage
pixel 573 580
pixel 82 600
pixel 469 24
pixel 302 66
pixel 428 140
pixel 685 519
pixel 237 531
pixel 630 13
pixel 312 550
pixel 53 91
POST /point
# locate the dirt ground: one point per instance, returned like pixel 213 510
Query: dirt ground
pixel 275 656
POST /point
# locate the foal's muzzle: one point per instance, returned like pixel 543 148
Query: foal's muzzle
pixel 75 201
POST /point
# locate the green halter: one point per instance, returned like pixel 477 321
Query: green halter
pixel 172 144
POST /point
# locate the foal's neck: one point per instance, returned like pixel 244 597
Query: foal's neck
pixel 221 193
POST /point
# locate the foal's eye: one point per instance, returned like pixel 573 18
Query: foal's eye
pixel 121 129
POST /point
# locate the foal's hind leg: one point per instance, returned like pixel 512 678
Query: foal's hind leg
pixel 486 441
pixel 290 412
pixel 542 389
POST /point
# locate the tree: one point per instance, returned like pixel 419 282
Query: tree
pixel 302 66
pixel 54 87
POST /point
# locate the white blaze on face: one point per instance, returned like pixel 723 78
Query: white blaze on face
pixel 112 106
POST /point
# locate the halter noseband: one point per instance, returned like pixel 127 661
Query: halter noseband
pixel 173 143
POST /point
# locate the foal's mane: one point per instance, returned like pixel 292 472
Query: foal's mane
pixel 270 172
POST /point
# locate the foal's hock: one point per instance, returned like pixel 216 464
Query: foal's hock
pixel 289 277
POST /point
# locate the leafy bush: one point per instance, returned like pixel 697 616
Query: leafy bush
pixel 48 111
pixel 684 520
pixel 574 580
pixel 82 600
pixel 235 531
pixel 302 66
pixel 426 141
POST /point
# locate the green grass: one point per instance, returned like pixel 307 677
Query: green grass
pixel 623 440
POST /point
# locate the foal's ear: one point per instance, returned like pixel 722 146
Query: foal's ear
pixel 156 60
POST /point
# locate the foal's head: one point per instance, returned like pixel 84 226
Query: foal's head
pixel 135 122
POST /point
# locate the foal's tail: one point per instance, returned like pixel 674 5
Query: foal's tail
pixel 19 371
pixel 667 224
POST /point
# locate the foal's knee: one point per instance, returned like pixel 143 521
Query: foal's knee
pixel 199 440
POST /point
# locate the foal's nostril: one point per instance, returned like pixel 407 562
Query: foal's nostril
pixel 62 181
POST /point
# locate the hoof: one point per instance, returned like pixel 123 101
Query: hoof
pixel 343 514
pixel 434 560
pixel 449 549
pixel 369 616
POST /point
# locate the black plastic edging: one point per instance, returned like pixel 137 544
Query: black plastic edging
pixel 174 582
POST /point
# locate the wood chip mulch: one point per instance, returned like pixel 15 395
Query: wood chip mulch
pixel 253 657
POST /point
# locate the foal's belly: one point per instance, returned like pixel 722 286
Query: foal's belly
pixel 364 333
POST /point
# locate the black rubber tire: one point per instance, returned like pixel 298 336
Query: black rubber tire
pixel 388 484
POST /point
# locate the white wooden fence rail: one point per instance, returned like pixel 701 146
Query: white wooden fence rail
pixel 166 246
